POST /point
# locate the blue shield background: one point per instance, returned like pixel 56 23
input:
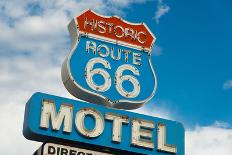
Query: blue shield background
pixel 79 58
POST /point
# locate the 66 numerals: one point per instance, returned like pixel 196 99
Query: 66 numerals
pixel 119 78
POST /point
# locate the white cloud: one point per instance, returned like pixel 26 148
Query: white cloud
pixel 44 32
pixel 227 85
pixel 158 108
pixel 125 3
pixel 33 47
pixel 154 111
pixel 12 140
pixel 157 50
pixel 114 5
pixel 162 9
pixel 209 140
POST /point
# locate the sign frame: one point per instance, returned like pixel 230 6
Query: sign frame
pixel 34 131
pixel 82 93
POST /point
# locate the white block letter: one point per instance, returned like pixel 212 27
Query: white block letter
pixel 80 122
pixel 49 114
pixel 91 45
pixel 142 133
pixel 117 125
pixel 162 146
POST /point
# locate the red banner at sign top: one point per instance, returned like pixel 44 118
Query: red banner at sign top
pixel 116 29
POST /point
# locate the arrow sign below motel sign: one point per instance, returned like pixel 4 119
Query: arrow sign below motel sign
pixel 110 61
pixel 56 149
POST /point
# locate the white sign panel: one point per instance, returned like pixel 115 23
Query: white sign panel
pixel 56 149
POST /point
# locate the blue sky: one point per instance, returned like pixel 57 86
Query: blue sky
pixel 196 58
pixel 192 59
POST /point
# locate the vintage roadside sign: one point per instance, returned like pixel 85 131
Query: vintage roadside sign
pixel 110 61
pixel 55 119
pixel 109 65
pixel 57 149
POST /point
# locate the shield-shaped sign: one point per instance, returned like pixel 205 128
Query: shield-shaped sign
pixel 110 61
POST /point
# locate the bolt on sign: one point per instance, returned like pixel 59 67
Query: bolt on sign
pixel 110 61
pixel 109 65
